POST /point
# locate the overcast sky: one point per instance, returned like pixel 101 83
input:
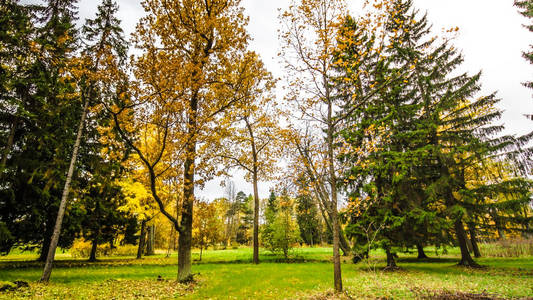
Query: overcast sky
pixel 491 38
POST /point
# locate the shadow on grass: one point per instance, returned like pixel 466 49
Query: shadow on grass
pixel 427 260
pixel 76 263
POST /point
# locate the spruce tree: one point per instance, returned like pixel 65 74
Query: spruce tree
pixel 426 133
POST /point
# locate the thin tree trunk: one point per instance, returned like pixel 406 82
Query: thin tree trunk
pixel 327 216
pixel 391 262
pixel 45 246
pixel 256 221
pixel 421 253
pixel 170 240
pixel 499 227
pixel 57 228
pixel 10 141
pixel 466 259
pixel 150 245
pixel 337 276
pixel 201 249
pixel 473 240
pixel 140 249
pixel 92 256
pixel 322 196
pixel 255 171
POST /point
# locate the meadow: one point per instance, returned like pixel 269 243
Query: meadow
pixel 229 274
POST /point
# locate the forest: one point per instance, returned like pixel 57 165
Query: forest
pixel 390 171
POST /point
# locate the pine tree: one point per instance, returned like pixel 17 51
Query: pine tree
pixel 98 71
pixel 423 135
pixel 526 10
pixel 46 111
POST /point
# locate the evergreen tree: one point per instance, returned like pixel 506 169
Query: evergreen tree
pixel 526 10
pixel 424 136
pixel 46 109
pixel 307 218
pixel 281 231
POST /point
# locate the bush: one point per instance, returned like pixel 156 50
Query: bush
pixel 508 248
pixel 82 249
pixel 126 250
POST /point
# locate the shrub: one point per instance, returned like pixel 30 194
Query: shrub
pixel 82 248
pixel 508 248
pixel 126 250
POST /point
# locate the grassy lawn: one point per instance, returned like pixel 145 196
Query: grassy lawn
pixel 228 274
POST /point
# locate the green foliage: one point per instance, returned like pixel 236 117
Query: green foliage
pixel 308 220
pixel 281 230
pixel 419 148
pixel 41 108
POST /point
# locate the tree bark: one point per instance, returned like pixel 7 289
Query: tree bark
pixel 170 241
pixel 92 256
pixel 322 196
pixel 466 259
pixel 151 236
pixel 57 228
pixel 255 172
pixel 185 237
pixel 140 249
pixel 337 276
pixel 256 220
pixel 45 246
pixel 201 249
pixel 421 253
pixel 391 262
pixel 473 240
pixel 499 227
pixel 9 145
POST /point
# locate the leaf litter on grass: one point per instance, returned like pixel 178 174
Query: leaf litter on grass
pixel 108 289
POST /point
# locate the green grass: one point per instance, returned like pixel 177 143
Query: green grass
pixel 228 274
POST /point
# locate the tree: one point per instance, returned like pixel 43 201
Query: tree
pixel 281 232
pixel 251 144
pixel 307 216
pixel 100 70
pixel 526 10
pixel 308 35
pixel 187 76
pixel 45 108
pixel 414 180
pixel 207 226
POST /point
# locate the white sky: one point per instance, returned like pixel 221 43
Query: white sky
pixel 491 36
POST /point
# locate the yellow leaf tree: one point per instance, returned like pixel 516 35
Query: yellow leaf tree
pixel 252 143
pixel 187 76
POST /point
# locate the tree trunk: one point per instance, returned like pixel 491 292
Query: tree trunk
pixel 337 276
pixel 499 227
pixel 473 240
pixel 92 256
pixel 256 193
pixel 140 249
pixel 421 253
pixel 391 263
pixel 9 145
pixel 57 228
pixel 170 240
pixel 151 236
pixel 256 221
pixel 201 249
pixel 466 259
pixel 185 237
pixel 327 216
pixel 45 246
